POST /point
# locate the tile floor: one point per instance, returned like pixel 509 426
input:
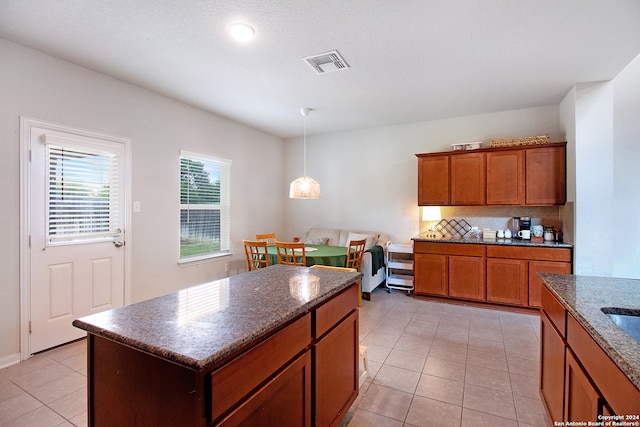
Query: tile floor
pixel 437 364
pixel 432 364
pixel 49 389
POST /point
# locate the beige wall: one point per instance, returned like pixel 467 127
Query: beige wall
pixel 602 127
pixel 369 177
pixel 42 87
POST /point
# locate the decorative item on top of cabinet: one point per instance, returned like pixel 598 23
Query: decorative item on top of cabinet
pixel 400 267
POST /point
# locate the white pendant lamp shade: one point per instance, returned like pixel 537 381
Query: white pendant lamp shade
pixel 304 187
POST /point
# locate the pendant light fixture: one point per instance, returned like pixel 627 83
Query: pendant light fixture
pixel 304 187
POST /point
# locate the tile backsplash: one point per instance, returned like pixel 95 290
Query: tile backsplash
pixel 498 217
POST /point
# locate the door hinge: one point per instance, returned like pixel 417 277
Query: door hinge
pixel 30 330
pixel 29 241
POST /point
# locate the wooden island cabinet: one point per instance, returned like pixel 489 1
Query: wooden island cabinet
pixel 276 346
pixel 518 176
pixel 589 369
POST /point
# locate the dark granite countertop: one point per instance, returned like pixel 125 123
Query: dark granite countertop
pixel 584 296
pixel 424 237
pixel 201 325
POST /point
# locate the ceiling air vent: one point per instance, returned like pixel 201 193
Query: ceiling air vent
pixel 327 62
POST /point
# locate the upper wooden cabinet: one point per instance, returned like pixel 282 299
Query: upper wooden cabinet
pixel 505 177
pixel 545 175
pixel 433 180
pixel 529 175
pixel 468 179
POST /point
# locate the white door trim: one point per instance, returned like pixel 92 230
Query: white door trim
pixel 26 123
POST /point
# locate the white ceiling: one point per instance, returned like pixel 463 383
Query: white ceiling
pixel 411 60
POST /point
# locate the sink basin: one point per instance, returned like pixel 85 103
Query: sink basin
pixel 627 319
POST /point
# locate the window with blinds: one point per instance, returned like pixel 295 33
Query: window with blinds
pixel 82 194
pixel 204 206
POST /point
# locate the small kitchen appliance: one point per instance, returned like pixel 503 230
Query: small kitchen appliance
pixel 515 226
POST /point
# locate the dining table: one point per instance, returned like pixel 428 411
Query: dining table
pixel 335 256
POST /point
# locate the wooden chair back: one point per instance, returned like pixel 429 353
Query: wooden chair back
pixel 291 253
pixel 270 238
pixel 354 254
pixel 256 254
pixel 351 270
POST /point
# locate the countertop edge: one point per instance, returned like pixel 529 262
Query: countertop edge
pixel 238 345
pixel 496 242
pixel 618 359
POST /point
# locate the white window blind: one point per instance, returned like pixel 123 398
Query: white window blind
pixel 82 193
pixel 204 206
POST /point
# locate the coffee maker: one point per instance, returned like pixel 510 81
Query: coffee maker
pixel 520 223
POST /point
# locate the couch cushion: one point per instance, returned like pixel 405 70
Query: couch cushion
pixel 347 236
pixel 331 234
pixel 315 240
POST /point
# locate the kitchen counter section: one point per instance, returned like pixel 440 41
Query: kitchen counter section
pixel 584 296
pixel 200 326
pixel 424 237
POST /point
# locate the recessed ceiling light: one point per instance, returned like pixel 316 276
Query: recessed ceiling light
pixel 242 32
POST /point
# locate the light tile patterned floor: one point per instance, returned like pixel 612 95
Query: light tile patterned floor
pixel 432 364
pixel 49 389
pixel 437 364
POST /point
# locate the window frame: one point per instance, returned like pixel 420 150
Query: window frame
pixel 224 206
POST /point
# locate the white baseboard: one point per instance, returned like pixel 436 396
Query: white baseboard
pixel 9 360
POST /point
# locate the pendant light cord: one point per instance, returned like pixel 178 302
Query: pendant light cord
pixel 304 148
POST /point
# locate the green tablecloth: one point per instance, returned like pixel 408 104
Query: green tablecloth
pixel 335 256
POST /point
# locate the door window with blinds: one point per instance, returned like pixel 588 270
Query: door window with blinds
pixel 204 206
pixel 83 192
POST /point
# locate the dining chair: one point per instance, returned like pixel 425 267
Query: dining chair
pixel 270 238
pixel 355 250
pixel 348 269
pixel 256 254
pixel 291 253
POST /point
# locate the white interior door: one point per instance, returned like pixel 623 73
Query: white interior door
pixel 77 211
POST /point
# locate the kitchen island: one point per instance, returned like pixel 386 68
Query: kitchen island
pixel 590 367
pixel 279 345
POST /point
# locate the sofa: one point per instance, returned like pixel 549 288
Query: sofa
pixel 335 237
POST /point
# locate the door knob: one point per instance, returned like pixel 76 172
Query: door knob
pixel 118 244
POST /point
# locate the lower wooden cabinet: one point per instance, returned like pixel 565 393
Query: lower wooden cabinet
pixel 582 402
pixel 578 381
pixel 535 284
pixel 501 274
pixel 512 272
pixel 507 281
pixel 552 365
pixel 283 401
pixel 431 274
pixel 467 277
pixel 305 374
pixel 336 372
pixel 449 270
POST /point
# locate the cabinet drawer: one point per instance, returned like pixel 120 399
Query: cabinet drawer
pixel 327 315
pixel 235 380
pixel 449 249
pixel 619 392
pixel 530 253
pixel 554 310
pixel 283 401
